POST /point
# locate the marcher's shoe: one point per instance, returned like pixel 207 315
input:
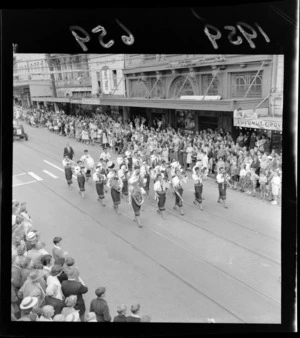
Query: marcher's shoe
pixel 225 206
pixel 201 207
pixel 219 201
pixel 195 202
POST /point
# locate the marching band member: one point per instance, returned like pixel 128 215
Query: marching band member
pixel 129 159
pixel 105 155
pixel 116 184
pixel 69 166
pixel 223 181
pixel 100 178
pixel 136 191
pixel 123 175
pixel 89 164
pixel 177 182
pixel 80 171
pixel 145 172
pixel 160 189
pixel 198 184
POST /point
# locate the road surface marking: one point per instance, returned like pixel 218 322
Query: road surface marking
pixel 35 176
pixel 53 165
pixel 16 185
pixel 19 174
pixel 50 174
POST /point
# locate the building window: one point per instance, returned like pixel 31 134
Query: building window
pixel 115 82
pixel 105 79
pixel 240 83
pixel 139 89
pixel 205 82
pixel 181 86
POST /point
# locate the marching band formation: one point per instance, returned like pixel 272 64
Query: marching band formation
pixel 130 179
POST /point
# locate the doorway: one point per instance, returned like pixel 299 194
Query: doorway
pixel 207 122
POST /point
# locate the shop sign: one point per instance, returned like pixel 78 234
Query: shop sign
pixel 76 100
pixel 258 123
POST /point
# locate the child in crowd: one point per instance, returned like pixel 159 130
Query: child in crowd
pixel 275 183
pixel 262 182
pixel 248 184
pixel 254 178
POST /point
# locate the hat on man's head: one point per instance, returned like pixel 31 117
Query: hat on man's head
pixel 71 272
pixel 35 275
pixel 31 235
pixel 28 302
pixel 110 165
pixel 56 269
pixel 99 291
pixel 135 307
pixel 121 308
pixel 73 317
pixel 90 317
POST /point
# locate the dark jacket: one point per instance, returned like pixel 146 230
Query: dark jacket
pixel 120 318
pixel 56 303
pixel 68 152
pixel 62 276
pixel 71 287
pixel 99 306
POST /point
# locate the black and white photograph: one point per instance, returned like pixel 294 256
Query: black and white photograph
pixel 150 187
pixel 166 173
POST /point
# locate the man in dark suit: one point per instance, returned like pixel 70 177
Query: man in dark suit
pixel 71 287
pixel 100 307
pixel 134 317
pixel 121 314
pixel 68 151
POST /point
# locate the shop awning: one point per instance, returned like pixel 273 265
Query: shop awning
pixel 218 105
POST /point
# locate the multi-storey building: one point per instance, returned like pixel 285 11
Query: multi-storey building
pixel 31 78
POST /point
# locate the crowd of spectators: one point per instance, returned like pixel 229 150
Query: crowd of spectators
pixel 254 167
pixel 47 286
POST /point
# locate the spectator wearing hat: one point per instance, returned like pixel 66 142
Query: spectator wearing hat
pixel 73 317
pixel 31 240
pixel 134 317
pixel 59 318
pixel 70 303
pixel 121 317
pixel 51 298
pixel 53 279
pixel 47 314
pixel 72 287
pixel 99 306
pixel 91 317
pixel 27 306
pixel 145 319
pixel 57 251
pixel 69 262
pixel 32 287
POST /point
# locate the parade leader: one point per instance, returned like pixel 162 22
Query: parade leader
pixel 68 151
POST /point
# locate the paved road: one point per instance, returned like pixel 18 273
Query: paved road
pixel 218 263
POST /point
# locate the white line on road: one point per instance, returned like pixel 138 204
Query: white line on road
pixel 53 165
pixel 35 176
pixel 19 174
pixel 50 174
pixel 16 185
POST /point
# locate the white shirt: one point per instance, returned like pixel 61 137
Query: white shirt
pixel 158 186
pixel 105 156
pixel 220 178
pixel 197 179
pixel 54 280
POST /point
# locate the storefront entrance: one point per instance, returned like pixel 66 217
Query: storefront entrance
pixel 207 122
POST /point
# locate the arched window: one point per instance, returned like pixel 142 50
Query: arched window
pixel 158 90
pixel 181 86
pixel 241 83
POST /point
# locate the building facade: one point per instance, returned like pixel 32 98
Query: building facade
pixel 31 78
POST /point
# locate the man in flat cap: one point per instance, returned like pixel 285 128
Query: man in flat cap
pixel 100 307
